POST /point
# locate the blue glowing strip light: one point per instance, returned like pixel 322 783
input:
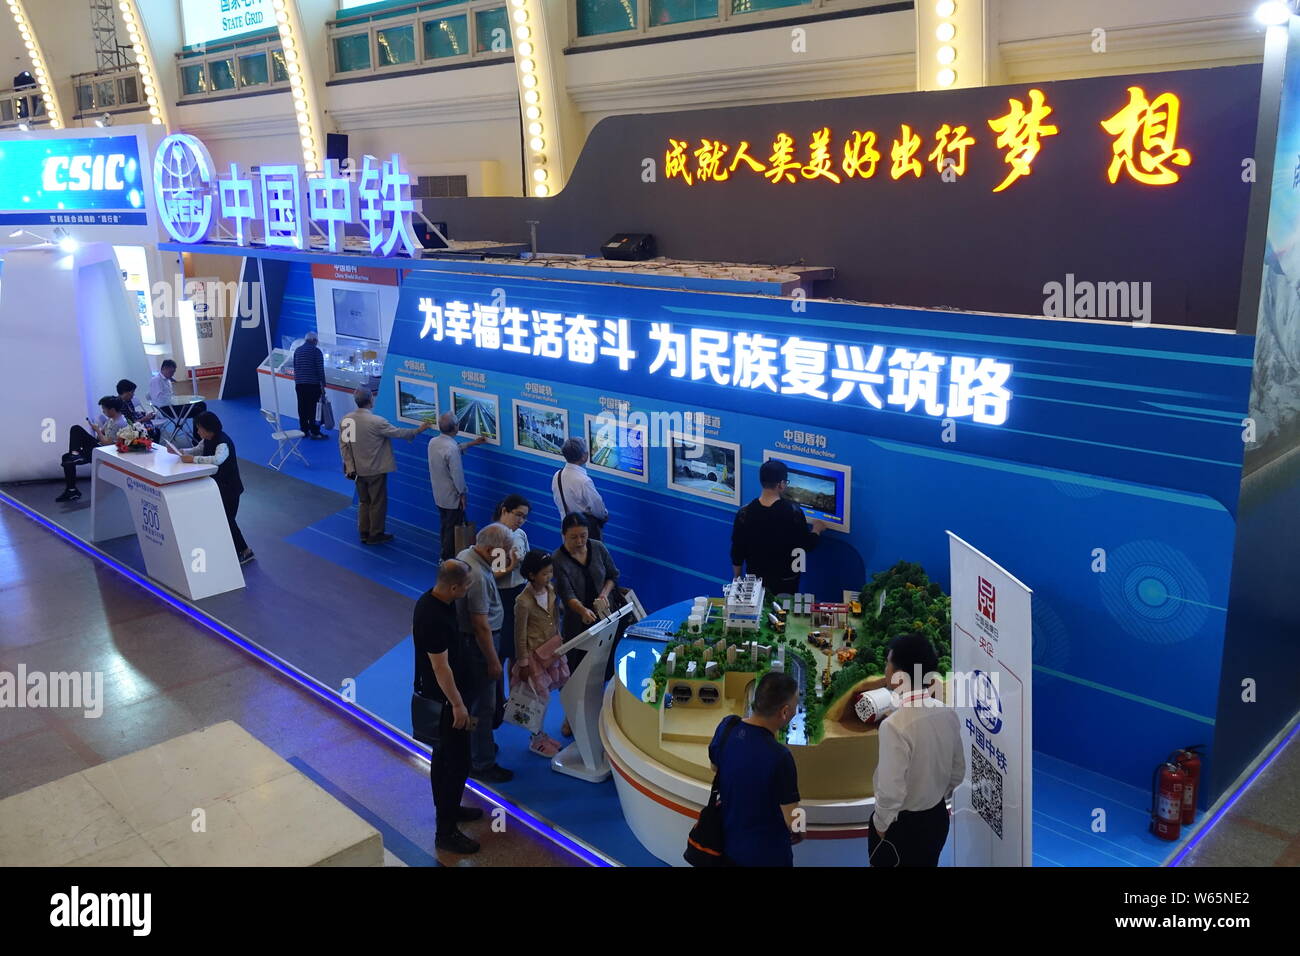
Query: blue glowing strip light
pixel 1208 825
pixel 326 695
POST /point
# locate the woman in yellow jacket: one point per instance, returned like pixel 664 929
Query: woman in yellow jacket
pixel 537 637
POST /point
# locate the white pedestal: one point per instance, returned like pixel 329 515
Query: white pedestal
pixel 175 512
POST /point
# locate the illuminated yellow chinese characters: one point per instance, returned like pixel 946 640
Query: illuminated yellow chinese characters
pixel 1019 132
pixel 1157 122
pixel 860 155
pixel 903 154
pixel 951 143
pixel 781 162
pixel 742 154
pixel 708 160
pixel 819 158
pixel 675 161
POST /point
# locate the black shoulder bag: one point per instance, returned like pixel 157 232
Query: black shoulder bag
pixel 704 844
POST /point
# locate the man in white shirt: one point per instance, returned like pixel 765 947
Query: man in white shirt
pixel 574 491
pixel 921 762
pixel 161 387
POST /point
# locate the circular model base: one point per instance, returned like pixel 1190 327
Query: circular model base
pixel 661 805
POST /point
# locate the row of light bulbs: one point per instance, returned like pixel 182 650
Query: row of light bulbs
pixel 148 73
pixel 945 33
pixel 526 47
pixel 298 88
pixel 38 62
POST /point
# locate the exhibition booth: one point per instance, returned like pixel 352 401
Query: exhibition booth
pixel 1034 455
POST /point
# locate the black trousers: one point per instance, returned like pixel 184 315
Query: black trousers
pixel 448 770
pixel 308 399
pixel 450 518
pixel 915 838
pixel 80 445
pixel 230 501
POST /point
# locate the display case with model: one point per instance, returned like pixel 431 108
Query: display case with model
pixel 349 364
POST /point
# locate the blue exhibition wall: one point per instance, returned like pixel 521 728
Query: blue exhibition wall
pixel 1261 658
pixel 1110 488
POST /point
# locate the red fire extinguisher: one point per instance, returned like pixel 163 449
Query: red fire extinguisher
pixel 1167 800
pixel 1189 761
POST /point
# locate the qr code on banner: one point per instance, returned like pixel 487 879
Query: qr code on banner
pixel 986 790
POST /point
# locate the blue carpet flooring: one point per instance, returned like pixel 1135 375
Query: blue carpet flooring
pixel 1066 797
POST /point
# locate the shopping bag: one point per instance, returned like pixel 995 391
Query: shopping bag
pixel 465 535
pixel 525 708
pixel 325 412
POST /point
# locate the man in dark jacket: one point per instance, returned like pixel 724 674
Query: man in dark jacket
pixel 771 536
pixel 309 383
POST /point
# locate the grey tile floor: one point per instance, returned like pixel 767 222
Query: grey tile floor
pixel 164 675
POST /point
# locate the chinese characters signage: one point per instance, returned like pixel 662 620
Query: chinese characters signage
pixel 879 377
pixel 191 200
pixel 1144 148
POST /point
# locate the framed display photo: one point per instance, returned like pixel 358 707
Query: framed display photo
pixel 540 429
pixel 417 400
pixel 478 414
pixel 704 467
pixel 617 448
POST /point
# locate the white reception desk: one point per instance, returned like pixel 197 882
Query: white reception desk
pixel 175 512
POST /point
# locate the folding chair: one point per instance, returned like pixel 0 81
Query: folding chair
pixel 287 441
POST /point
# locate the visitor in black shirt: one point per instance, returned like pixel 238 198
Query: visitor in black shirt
pixel 445 683
pixel 758 785
pixel 769 529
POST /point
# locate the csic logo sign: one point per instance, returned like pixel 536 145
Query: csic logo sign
pixel 84 173
pixel 74 180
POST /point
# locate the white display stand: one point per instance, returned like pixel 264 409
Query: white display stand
pixel 175 512
pixel 993 646
pixel 582 697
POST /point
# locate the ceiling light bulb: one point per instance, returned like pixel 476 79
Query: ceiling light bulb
pixel 1272 13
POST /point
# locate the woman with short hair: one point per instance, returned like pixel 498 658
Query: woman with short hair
pixel 216 448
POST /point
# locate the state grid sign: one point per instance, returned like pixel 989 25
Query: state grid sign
pixel 992 656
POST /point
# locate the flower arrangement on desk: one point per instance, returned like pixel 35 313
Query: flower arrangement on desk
pixel 134 438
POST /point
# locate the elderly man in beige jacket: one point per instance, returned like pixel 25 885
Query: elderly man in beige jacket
pixel 365 442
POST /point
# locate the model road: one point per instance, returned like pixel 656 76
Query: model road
pixel 477 419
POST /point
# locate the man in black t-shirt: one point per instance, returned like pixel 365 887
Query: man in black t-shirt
pixel 445 680
pixel 768 531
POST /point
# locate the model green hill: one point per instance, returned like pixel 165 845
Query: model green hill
pixel 911 603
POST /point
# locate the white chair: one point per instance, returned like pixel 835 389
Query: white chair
pixel 287 441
